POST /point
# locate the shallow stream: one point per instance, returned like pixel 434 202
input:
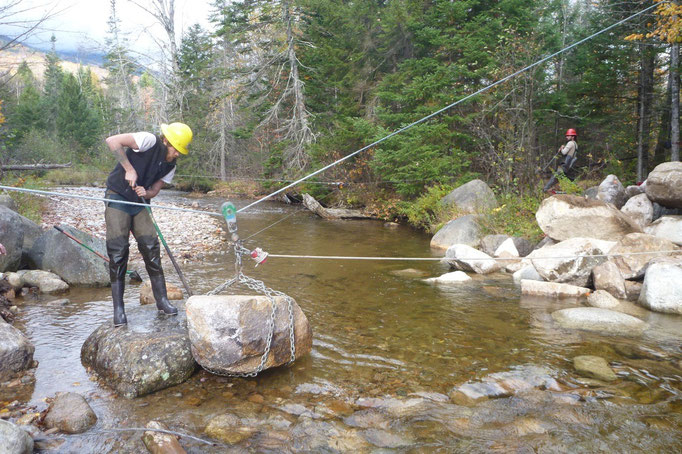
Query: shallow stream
pixel 388 349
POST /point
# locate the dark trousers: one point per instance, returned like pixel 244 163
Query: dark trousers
pixel 119 225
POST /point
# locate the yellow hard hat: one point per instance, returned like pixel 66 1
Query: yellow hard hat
pixel 178 134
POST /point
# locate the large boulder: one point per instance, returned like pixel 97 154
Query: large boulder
pixel 570 261
pixel 465 258
pixel 70 413
pixel 637 250
pixel 599 320
pixel 150 353
pixel 472 197
pixel 667 227
pixel 664 184
pixel 567 216
pixel 53 251
pixel 662 288
pixel 640 209
pixel 228 333
pixel 611 191
pixel 12 237
pixel 463 230
pixel 14 440
pixel 608 277
pixel 16 351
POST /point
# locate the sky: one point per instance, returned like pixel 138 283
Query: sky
pixel 81 25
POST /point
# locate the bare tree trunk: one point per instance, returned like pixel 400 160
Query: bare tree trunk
pixel 664 129
pixel 646 88
pixel 675 105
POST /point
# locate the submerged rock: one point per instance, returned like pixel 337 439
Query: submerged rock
pixel 455 277
pixel 147 296
pixel 552 289
pixel 567 216
pixel 159 442
pixel 594 367
pixel 662 288
pixel 600 320
pixel 152 352
pixel 14 440
pixel 229 428
pixel 228 332
pixel 16 351
pixel 70 413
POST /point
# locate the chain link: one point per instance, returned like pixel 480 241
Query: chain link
pixel 258 287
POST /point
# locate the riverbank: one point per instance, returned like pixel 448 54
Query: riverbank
pixel 189 235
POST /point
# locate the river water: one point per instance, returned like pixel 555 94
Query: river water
pixel 388 349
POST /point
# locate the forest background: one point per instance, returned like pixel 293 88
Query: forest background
pixel 278 88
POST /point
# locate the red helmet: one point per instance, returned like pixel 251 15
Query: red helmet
pixel 571 132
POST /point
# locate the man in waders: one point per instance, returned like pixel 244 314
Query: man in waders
pixel 569 152
pixel 145 163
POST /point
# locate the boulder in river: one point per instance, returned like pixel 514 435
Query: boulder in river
pixel 633 252
pixel 14 440
pixel 455 277
pixel 12 237
pixel 150 353
pixel 600 320
pixel 16 351
pixel 463 230
pixel 552 289
pixel 664 184
pixel 611 191
pixel 668 228
pixel 570 261
pixel 472 197
pixel 662 288
pixel 608 277
pixel 160 442
pixel 53 251
pixel 567 216
pixel 70 413
pixel 466 258
pixel 640 209
pixel 228 333
pixel 48 283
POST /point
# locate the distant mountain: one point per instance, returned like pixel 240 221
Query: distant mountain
pixel 86 58
pixel 12 58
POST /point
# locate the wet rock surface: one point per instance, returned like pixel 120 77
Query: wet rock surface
pixel 70 413
pixel 150 353
pixel 229 333
pixel 600 320
pixel 16 351
pixel 14 440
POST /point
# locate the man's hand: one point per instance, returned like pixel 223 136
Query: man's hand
pixel 139 190
pixel 131 177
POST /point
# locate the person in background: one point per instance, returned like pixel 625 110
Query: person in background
pixel 569 152
pixel 145 163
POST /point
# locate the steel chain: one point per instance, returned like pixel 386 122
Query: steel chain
pixel 258 287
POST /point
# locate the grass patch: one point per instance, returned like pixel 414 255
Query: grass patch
pixel 515 216
pixel 79 175
pixel 30 206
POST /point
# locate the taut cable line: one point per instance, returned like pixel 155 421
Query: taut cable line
pixel 449 106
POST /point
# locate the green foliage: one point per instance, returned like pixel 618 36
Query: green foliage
pixel 37 145
pixel 515 216
pixel 567 186
pixel 77 121
pixel 427 212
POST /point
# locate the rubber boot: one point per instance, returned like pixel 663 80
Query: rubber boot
pixel 160 295
pixel 117 289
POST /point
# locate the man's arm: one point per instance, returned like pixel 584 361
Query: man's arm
pixel 117 146
pixel 153 191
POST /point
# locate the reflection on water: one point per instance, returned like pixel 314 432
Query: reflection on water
pixel 385 336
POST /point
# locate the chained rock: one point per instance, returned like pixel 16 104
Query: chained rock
pixel 229 333
pixel 151 353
